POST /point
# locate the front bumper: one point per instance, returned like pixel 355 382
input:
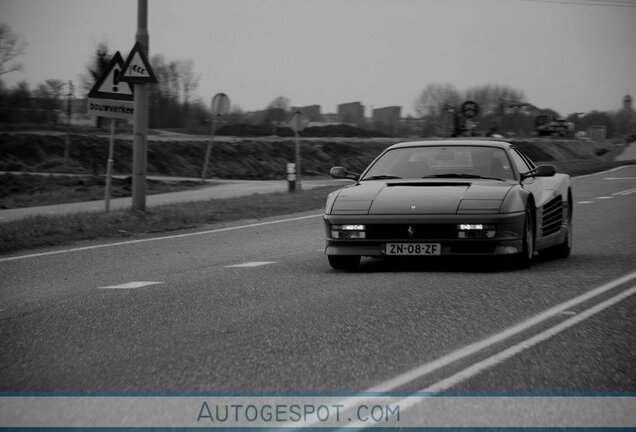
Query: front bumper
pixel 441 229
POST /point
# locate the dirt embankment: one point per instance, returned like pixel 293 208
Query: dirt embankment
pixel 240 158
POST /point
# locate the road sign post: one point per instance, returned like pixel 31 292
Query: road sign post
pixel 297 123
pixel 137 70
pixel 470 110
pixel 109 165
pixel 114 99
pixel 220 106
pixel 69 112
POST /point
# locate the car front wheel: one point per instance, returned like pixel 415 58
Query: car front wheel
pixel 344 262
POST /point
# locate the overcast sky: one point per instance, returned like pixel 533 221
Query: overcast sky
pixel 569 55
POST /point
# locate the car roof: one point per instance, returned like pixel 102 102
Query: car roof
pixel 453 142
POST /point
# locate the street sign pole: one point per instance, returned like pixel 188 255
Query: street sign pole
pixel 220 106
pixel 111 98
pixel 69 113
pixel 298 172
pixel 208 150
pixel 297 123
pixel 109 165
pixel 140 122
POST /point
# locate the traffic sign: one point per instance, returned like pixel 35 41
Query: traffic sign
pixel 470 109
pixel 110 108
pixel 110 85
pixel 137 69
pixel 298 121
pixel 220 104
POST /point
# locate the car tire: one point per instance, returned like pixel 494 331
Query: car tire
pixel 344 262
pixel 524 259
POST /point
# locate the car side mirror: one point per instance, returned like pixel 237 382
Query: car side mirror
pixel 343 173
pixel 545 171
pixel 540 171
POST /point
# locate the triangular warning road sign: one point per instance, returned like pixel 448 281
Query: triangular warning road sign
pixel 137 68
pixel 109 85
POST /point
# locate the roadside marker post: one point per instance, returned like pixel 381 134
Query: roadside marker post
pixel 291 177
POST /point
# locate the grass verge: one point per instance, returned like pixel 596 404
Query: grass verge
pixel 29 190
pixel 42 231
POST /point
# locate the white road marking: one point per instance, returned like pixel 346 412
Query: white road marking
pixel 448 359
pixel 131 285
pixel 475 369
pixel 568 313
pixel 193 234
pixel 603 172
pixel 496 359
pixel 620 178
pixel 605 197
pixel 625 192
pixel 468 350
pixel 585 202
pixel 252 264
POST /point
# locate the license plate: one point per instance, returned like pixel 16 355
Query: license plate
pixel 413 249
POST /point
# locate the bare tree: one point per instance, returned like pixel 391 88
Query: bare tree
pixel 490 96
pixel 189 79
pixel 11 46
pixel 434 99
pixel 96 68
pixel 51 89
pixel 172 97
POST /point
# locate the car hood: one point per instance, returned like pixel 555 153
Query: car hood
pixel 419 197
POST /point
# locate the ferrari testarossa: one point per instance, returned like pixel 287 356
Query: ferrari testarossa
pixel 462 197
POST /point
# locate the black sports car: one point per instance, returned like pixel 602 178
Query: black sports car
pixel 449 198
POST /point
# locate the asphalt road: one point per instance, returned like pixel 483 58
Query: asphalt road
pixel 257 308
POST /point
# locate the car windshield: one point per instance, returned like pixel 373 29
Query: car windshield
pixel 442 162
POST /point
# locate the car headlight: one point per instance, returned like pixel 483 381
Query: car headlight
pixel 348 231
pixel 465 231
pixel 477 206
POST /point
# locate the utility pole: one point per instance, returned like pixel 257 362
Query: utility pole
pixel 140 119
pixel 69 113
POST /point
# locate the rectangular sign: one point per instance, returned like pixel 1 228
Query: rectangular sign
pixel 111 108
pixel 305 411
pixel 413 249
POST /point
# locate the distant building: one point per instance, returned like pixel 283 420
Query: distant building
pixel 597 132
pixel 312 112
pixel 625 118
pixel 412 127
pixel 330 117
pixel 351 113
pixel 386 120
pixel 627 103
